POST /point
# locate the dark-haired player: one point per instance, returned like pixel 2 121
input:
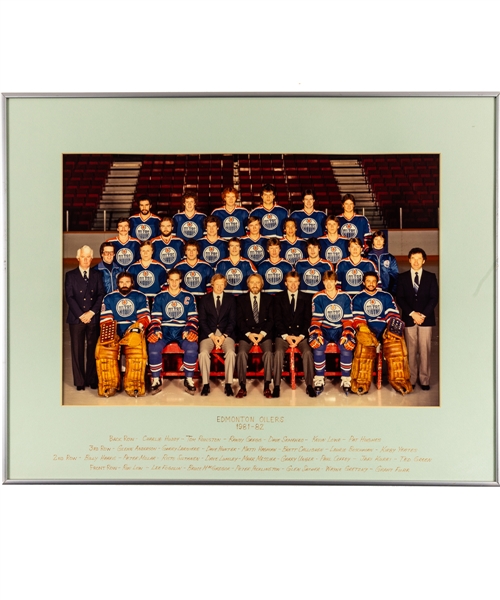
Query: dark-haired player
pixel 311 222
pixel 168 249
pixel 189 223
pixel 144 225
pixel 270 214
pixel 212 247
pixel 311 269
pixel 293 248
pixel 353 225
pixel 127 248
pixel 333 246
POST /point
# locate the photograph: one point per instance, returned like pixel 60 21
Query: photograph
pixel 163 248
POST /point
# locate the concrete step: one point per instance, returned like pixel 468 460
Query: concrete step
pixel 126 165
pixel 124 173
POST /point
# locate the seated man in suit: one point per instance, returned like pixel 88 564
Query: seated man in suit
pixel 84 289
pixel 217 317
pixel 417 295
pixel 292 311
pixel 254 318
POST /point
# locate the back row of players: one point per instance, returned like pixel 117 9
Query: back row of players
pixel 147 246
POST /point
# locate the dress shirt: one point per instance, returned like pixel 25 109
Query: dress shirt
pixel 257 297
pixel 295 296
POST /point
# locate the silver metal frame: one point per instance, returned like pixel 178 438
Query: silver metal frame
pixel 4 280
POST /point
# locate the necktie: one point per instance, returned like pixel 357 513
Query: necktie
pixel 292 303
pixel 85 276
pixel 217 305
pixel 416 284
pixel 255 309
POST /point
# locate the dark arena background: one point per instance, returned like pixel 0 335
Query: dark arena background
pixel 398 193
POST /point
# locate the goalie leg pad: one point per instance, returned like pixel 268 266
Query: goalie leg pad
pixel 108 372
pixel 396 356
pixel 363 361
pixel 136 358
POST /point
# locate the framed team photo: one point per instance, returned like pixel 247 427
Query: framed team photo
pixel 252 289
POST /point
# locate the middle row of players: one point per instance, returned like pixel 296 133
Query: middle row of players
pixel 273 258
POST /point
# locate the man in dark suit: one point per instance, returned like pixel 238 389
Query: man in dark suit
pixel 293 313
pixel 84 289
pixel 255 317
pixel 217 318
pixel 417 296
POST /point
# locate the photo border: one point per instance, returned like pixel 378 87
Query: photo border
pixel 7 97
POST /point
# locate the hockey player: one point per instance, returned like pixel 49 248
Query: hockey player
pixel 274 269
pixel 387 265
pixel 145 225
pixel 377 320
pixel 293 248
pixel 212 247
pixel 311 269
pixel 108 268
pixel 127 248
pixel 233 218
pixel 124 319
pixel 332 322
pixel 149 275
pixel 311 222
pixel 196 274
pixel 351 224
pixel 167 248
pixel 333 246
pixel 189 224
pixel 350 270
pixel 174 319
pixel 126 306
pixel 270 214
pixel 236 269
pixel 253 245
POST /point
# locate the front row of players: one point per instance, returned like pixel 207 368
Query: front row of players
pixel 289 319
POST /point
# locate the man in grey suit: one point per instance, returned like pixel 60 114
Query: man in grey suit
pixel 217 318
pixel 417 295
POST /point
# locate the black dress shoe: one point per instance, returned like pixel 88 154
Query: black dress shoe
pixel 205 390
pixel 276 391
pixel 242 392
pixel 310 391
pixel 80 387
pixel 228 390
pixel 93 386
pixel 425 387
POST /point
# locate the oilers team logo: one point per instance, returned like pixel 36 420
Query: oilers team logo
pixel 354 277
pixel 274 276
pixel 312 277
pixel 125 308
pixel 334 312
pixel 270 222
pixel 234 276
pixel 189 229
pixel 145 279
pixel 349 230
pixel 143 232
pixel 373 307
pixel 174 309
pixel 211 254
pixel 333 254
pixel 256 253
pixel 124 257
pixel 308 226
pixel 168 255
pixel 386 263
pixel 293 255
pixel 231 224
pixel 192 279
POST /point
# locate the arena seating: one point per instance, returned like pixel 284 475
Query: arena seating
pixel 407 181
